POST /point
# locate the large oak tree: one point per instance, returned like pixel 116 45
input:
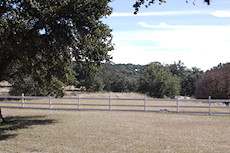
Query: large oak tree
pixel 40 38
pixel 56 30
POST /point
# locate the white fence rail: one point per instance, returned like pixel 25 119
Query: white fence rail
pixel 206 106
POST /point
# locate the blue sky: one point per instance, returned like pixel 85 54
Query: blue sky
pixel 197 35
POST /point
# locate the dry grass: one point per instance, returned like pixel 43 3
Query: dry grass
pixel 4 88
pixel 99 131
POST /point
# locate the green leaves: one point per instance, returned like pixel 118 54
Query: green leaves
pixel 157 81
pixel 187 76
pixel 40 38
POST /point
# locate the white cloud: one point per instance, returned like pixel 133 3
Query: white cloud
pixel 122 14
pixel 218 13
pixel 165 13
pixel 200 46
pixel 161 25
pixel 221 13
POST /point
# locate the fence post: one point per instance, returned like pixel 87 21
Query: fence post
pixel 109 102
pixel 209 101
pixel 177 104
pixel 145 103
pixel 23 100
pixel 78 102
pixel 50 102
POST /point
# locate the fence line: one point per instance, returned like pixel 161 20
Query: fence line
pixel 143 105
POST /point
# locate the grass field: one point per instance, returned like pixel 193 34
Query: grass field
pixel 104 131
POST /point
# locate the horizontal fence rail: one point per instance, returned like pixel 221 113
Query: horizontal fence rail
pixel 206 106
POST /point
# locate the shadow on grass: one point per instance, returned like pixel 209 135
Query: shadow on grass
pixel 12 124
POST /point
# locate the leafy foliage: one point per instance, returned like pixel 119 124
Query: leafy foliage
pixel 118 78
pixel 39 38
pixel 187 76
pixel 109 77
pixel 172 79
pixel 157 81
pixel 215 83
pixel 31 87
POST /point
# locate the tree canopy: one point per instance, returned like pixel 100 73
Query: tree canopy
pixel 215 83
pixel 135 78
pixel 187 76
pixel 40 38
pixel 157 81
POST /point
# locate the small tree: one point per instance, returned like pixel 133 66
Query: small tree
pixel 187 76
pixel 215 83
pixel 172 87
pixel 157 81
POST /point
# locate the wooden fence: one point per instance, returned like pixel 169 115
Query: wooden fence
pixel 206 106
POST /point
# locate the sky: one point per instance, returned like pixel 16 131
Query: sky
pixel 198 35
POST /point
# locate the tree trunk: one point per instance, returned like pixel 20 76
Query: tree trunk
pixel 1 118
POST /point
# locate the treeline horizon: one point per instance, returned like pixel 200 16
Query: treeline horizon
pixel 158 80
pixel 154 79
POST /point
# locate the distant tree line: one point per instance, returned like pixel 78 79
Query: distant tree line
pixel 155 79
